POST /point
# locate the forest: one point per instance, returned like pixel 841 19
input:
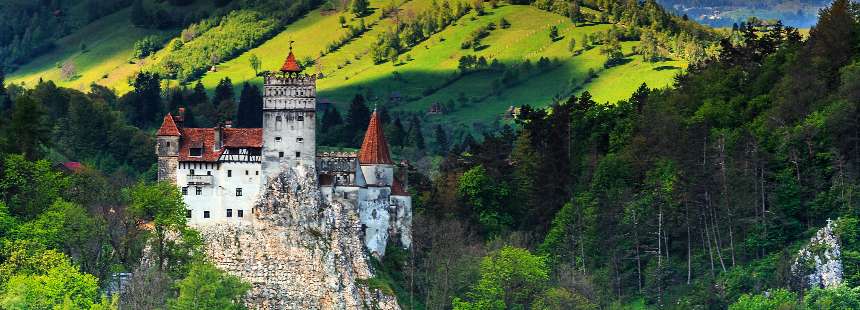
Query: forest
pixel 698 196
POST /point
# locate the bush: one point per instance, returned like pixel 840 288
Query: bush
pixel 146 46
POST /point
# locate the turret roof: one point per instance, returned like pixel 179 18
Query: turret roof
pixel 374 150
pixel 168 127
pixel 290 65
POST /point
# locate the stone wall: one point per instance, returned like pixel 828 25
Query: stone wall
pixel 299 253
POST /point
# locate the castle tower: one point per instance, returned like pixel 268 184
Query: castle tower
pixel 167 149
pixel 289 123
pixel 375 160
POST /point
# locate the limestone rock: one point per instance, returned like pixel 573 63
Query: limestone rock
pixel 300 252
pixel 819 263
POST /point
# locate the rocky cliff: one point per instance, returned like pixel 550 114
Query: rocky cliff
pixel 300 252
pixel 819 264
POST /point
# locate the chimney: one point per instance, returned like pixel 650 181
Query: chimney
pixel 219 136
pixel 180 117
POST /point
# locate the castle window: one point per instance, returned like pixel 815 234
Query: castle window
pixel 238 192
pixel 168 145
pixel 277 139
pixel 298 154
pixel 198 190
pixel 229 173
pixel 192 172
pixel 301 118
pixel 187 213
pixel 209 172
pixel 240 213
pixel 246 172
pixel 300 140
pixel 278 118
pixel 229 212
pixel 185 191
pixel 206 214
pixel 195 151
pixel 280 154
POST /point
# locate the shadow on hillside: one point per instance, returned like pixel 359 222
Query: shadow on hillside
pixel 664 68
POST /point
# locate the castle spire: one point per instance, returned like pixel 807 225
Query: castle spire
pixel 290 65
pixel 168 127
pixel 374 149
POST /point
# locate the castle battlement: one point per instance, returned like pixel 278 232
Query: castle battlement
pixel 276 79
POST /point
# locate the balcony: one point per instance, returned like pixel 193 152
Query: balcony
pixel 199 179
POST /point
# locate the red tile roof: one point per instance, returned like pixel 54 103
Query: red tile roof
pixel 374 150
pixel 205 138
pixel 168 127
pixel 290 65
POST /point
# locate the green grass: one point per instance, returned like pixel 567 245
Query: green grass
pixel 351 70
pixel 109 43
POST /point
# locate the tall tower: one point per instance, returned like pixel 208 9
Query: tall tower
pixel 167 149
pixel 289 123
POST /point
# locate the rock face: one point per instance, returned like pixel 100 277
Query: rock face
pixel 299 252
pixel 819 264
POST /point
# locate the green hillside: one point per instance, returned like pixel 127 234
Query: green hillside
pixel 424 75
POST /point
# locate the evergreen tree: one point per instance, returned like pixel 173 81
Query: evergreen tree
pixel 360 7
pixel 330 119
pixel 357 119
pixel 175 101
pixel 223 92
pixel 198 96
pixel 397 134
pixel 416 137
pixel 146 98
pixel 575 13
pixel 28 128
pixel 250 107
pixel 441 139
pixel 190 120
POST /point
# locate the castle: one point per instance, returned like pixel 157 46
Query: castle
pixel 223 170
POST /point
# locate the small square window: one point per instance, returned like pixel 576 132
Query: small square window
pixel 298 154
pixel 229 212
pixel 209 172
pixel 229 173
pixel 277 139
pixel 246 172
pixel 257 172
pixel 238 192
pixel 300 140
pixel 301 118
pixel 206 214
pixel 280 154
pixel 185 191
pixel 192 172
pixel 195 151
pixel 198 190
pixel 240 213
pixel 187 213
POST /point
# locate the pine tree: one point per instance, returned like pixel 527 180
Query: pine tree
pixel 223 92
pixel 397 134
pixel 175 101
pixel 357 119
pixel 139 15
pixel 416 137
pixel 27 127
pixel 441 139
pixel 360 7
pixel 198 96
pixel 190 120
pixel 330 119
pixel 250 107
pixel 146 98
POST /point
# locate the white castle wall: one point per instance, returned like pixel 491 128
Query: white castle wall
pixel 220 194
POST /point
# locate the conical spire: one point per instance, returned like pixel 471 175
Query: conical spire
pixel 374 150
pixel 168 127
pixel 290 65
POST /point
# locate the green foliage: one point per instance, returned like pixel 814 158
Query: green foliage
pixel 146 46
pixel 28 127
pixel 360 7
pixel 558 298
pixel 61 287
pixel 840 297
pixel 486 199
pixel 510 278
pixel 29 188
pixel 206 287
pixel 779 299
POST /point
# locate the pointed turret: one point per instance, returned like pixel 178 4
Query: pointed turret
pixel 290 65
pixel 374 150
pixel 168 127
